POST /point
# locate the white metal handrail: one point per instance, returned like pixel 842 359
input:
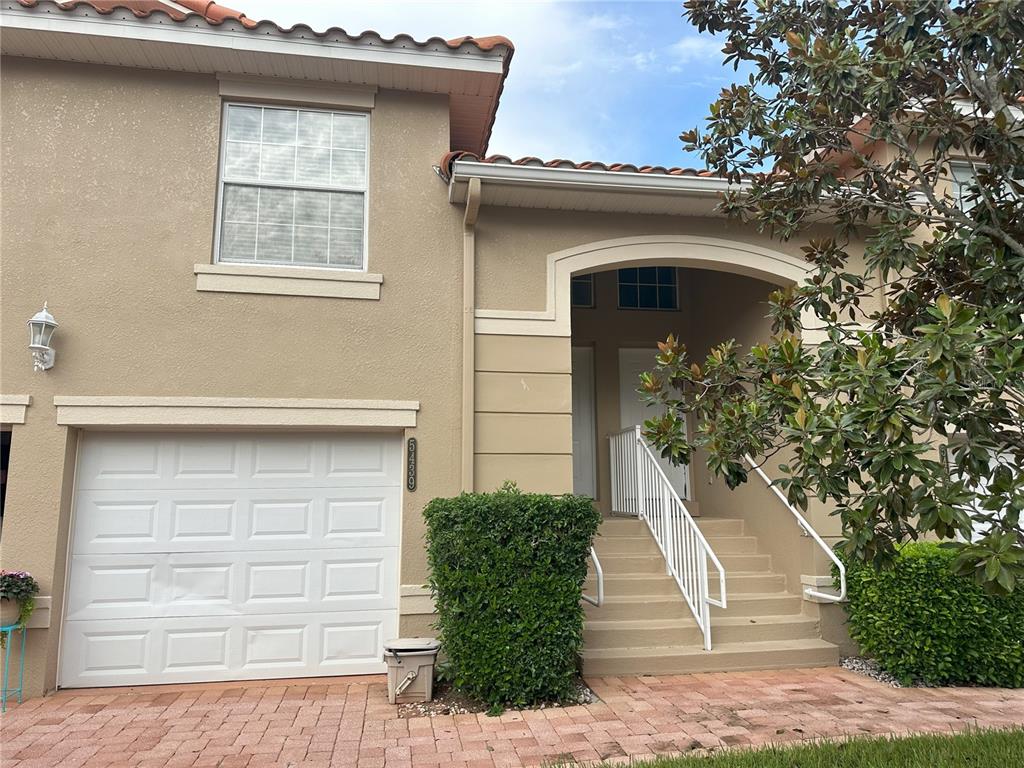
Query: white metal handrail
pixel 640 487
pixel 809 531
pixel 599 572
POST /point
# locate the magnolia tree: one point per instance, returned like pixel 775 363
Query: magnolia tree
pixel 897 128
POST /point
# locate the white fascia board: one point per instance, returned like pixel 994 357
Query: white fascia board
pixel 232 36
pixel 463 170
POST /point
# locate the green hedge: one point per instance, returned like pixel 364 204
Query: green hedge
pixel 506 570
pixel 920 621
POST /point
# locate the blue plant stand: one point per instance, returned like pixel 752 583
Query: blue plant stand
pixel 7 691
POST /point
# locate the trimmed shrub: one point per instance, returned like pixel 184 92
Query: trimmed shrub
pixel 921 621
pixel 507 570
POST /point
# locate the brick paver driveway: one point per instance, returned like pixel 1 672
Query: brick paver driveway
pixel 348 722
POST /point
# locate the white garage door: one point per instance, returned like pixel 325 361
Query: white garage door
pixel 211 557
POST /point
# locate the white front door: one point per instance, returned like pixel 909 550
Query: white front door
pixel 203 557
pixel 584 449
pixel 633 411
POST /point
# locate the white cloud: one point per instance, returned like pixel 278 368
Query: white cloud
pixel 694 49
pixel 643 59
pixel 563 74
pixel 608 21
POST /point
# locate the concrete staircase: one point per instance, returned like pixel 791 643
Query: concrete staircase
pixel 645 626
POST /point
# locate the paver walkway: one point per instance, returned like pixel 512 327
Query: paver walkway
pixel 348 722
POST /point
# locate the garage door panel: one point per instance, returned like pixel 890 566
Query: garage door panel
pixel 195 649
pixel 202 520
pixel 173 650
pixel 220 557
pixel 364 462
pixel 127 586
pixel 114 521
pixel 125 461
pixel 226 584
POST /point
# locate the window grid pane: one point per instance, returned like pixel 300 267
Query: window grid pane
pixel 270 225
pixel 648 288
pixel 582 290
pixel 293 187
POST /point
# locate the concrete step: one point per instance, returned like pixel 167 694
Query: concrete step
pixel 625 545
pixel 721 526
pixel 622 565
pixel 759 604
pixel 738 582
pixel 640 585
pixel 622 526
pixel 669 606
pixel 733 545
pixel 744 562
pixel 732 657
pixel 661 633
pixel 636 607
pixel 661 584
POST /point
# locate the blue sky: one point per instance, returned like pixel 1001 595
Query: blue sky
pixel 608 81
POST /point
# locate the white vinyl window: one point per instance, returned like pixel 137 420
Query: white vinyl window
pixel 292 187
pixel 963 177
pixel 963 182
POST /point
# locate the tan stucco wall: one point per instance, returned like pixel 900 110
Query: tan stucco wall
pixel 523 413
pixel 513 245
pixel 109 181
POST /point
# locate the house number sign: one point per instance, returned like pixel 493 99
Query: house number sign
pixel 410 464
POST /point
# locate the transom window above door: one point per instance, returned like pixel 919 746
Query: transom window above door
pixel 292 187
pixel 648 288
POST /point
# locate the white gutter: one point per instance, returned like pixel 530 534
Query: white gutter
pixel 232 36
pixel 464 170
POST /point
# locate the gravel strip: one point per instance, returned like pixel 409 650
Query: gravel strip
pixel 870 668
pixel 449 702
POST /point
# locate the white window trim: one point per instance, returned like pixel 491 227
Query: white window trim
pixel 13 407
pixel 302 95
pixel 957 168
pixel 364 191
pixel 283 280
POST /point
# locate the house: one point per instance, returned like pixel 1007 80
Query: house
pixel 297 299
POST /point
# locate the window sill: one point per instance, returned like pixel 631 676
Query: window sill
pixel 287 281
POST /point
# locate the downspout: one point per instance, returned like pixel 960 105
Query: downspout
pixel 468 331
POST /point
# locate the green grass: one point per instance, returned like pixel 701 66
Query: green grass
pixel 974 749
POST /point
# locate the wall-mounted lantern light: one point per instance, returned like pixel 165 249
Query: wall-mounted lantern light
pixel 41 328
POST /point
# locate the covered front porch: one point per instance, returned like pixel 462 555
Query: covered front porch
pixel 618 317
pixel 684 574
pixel 725 585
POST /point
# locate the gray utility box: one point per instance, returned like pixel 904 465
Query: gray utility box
pixel 410 663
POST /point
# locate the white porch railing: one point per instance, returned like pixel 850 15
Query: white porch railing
pixel 599 573
pixel 640 488
pixel 807 530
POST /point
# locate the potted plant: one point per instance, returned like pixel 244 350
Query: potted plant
pixel 18 591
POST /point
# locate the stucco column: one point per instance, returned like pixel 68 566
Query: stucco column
pixel 35 532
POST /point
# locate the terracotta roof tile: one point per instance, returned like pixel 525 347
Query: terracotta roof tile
pixel 216 14
pixel 450 158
